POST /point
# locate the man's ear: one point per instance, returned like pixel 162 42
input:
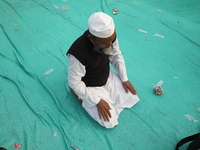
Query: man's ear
pixel 90 38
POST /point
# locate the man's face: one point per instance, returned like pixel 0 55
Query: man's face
pixel 103 45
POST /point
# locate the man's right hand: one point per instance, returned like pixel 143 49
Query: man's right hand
pixel 104 110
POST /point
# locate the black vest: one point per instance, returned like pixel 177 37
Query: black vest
pixel 96 64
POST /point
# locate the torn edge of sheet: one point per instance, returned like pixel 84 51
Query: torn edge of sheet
pixel 48 72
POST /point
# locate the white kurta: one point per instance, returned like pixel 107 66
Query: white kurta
pixel 112 92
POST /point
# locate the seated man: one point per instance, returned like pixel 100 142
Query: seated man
pixel 102 92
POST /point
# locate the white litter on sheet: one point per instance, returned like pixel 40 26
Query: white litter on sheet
pixel 48 72
pixel 159 83
pixel 161 36
pixel 191 118
pixel 55 134
pixel 64 0
pixel 142 31
pixel 55 6
pixel 175 77
pixel 198 109
pixel 65 7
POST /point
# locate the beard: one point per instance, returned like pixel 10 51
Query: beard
pixel 105 51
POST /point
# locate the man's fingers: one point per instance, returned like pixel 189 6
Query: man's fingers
pixel 130 88
pixel 104 110
pixel 105 115
pixel 133 91
pixel 126 89
pixel 109 114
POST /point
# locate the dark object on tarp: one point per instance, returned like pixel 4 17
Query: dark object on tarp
pixel 194 145
pixel 1 148
pixel 158 90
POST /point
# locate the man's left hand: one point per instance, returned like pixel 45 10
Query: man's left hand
pixel 129 87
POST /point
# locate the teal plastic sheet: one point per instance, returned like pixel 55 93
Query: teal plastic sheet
pixel 159 41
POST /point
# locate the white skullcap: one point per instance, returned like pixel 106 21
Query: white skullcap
pixel 101 25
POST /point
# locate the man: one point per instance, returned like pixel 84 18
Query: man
pixel 102 92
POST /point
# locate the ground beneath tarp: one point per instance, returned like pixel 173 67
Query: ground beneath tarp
pixel 159 41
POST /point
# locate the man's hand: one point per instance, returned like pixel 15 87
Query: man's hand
pixel 129 87
pixel 104 110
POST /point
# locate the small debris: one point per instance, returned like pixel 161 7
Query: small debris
pixel 55 6
pixel 48 72
pixel 159 35
pixel 142 31
pixel 15 25
pixel 191 118
pixel 158 90
pixel 198 109
pixel 11 2
pixel 115 11
pixel 55 134
pixel 17 146
pixel 74 147
pixel 65 7
pixel 64 0
pixel 146 39
pixel 159 10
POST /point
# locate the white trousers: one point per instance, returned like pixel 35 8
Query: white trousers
pixel 114 93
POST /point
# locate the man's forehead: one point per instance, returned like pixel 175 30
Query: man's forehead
pixel 113 36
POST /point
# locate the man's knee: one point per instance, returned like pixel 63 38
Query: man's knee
pixel 113 121
pixel 111 124
pixel 93 112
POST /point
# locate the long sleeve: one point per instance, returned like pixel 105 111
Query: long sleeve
pixel 118 62
pixel 75 73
